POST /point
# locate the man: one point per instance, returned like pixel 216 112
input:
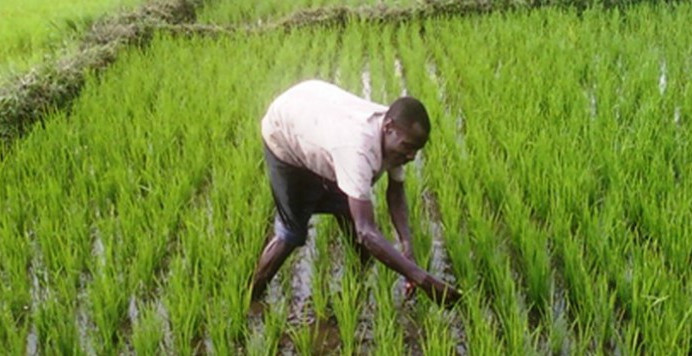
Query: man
pixel 324 149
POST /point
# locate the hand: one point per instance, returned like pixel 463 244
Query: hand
pixel 440 292
pixel 409 286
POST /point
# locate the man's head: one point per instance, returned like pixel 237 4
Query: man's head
pixel 405 130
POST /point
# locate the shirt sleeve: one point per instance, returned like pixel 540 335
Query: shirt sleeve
pixel 353 172
pixel 397 173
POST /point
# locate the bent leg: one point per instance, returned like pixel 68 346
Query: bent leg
pixel 273 256
pixel 295 191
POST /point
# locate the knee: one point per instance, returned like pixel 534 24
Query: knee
pixel 288 235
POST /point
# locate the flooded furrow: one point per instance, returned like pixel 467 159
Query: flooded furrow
pixel 38 292
pixel 272 301
pixel 399 73
pixel 300 311
pixel 440 263
pixel 441 266
pixel 301 281
pixel 83 319
pixel 163 315
pixel 413 332
pixel 366 82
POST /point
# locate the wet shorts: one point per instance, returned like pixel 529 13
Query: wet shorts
pixel 299 193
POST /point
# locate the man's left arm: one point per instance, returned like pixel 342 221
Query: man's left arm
pixel 398 212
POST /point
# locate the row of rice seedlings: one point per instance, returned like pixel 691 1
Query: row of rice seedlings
pixel 32 29
pixel 303 326
pixel 326 230
pixel 466 228
pixel 47 243
pixel 500 47
pixel 225 11
pixel 394 83
pixel 140 196
pixel 413 312
pixel 388 330
pixel 437 337
pixel 501 198
pixel 300 56
pixel 352 295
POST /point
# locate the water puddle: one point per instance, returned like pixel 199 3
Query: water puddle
pixel 432 71
pixel 663 78
pixel 591 97
pixel 301 279
pixel 38 293
pixel 83 320
pixel 32 342
pixel 365 80
pixel 162 312
pixel 441 266
pixel 327 338
pixel 318 337
pixel 398 72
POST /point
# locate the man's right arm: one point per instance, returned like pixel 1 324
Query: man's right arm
pixel 363 215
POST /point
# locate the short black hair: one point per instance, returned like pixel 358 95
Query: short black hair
pixel 407 111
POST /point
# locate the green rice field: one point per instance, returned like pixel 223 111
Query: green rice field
pixel 556 193
pixel 33 29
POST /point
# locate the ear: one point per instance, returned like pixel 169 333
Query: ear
pixel 388 124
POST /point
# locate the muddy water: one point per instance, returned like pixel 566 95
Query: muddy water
pixel 327 338
pixel 324 336
pixel 83 320
pixel 301 279
pixel 299 310
pixel 162 312
pixel 365 80
pixel 441 267
pixel 398 72
pixel 38 293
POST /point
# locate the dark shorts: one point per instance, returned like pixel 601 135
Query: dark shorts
pixel 299 193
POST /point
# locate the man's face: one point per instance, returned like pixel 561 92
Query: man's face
pixel 401 143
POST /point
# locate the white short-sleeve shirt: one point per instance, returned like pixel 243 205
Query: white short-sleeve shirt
pixel 331 132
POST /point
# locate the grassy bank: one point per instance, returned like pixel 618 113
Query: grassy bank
pixel 30 30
